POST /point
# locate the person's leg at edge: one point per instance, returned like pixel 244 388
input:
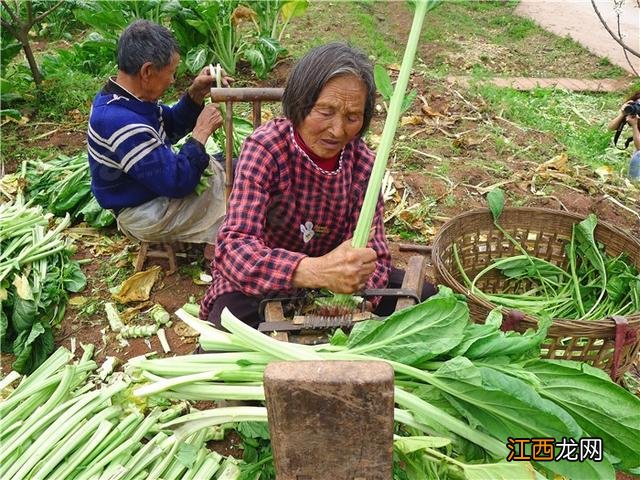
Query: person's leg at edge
pixel 243 307
pixel 634 167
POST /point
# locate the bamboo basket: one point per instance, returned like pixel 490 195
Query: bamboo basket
pixel 611 344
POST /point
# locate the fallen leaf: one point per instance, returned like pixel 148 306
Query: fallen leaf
pixel 137 287
pixel 183 330
pixel 430 111
pixel 23 289
pixel 559 163
pixel 373 140
pixel 131 312
pixel 604 172
pixel 412 120
pixel 78 301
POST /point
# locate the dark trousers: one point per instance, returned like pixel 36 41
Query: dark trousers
pixel 246 308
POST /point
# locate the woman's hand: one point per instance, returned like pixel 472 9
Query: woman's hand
pixel 201 85
pixel 209 120
pixel 343 270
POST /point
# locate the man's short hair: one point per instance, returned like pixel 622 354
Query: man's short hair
pixel 315 69
pixel 144 41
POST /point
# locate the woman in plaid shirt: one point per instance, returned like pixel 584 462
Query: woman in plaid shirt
pixel 297 193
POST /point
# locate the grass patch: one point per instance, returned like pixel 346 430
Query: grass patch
pixel 577 121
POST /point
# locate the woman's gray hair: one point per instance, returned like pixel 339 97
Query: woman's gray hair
pixel 144 41
pixel 315 69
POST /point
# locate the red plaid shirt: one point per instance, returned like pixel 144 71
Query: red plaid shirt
pixel 283 208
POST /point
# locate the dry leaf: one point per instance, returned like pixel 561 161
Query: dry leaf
pixel 373 140
pixel 183 330
pixel 427 110
pixel 78 301
pixel 23 289
pixel 604 172
pixel 559 163
pixel 137 287
pixel 412 120
pixel 131 312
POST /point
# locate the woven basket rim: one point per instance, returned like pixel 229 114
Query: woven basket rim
pixel 437 248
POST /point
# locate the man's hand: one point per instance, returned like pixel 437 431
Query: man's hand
pixel 343 270
pixel 208 121
pixel 632 120
pixel 201 85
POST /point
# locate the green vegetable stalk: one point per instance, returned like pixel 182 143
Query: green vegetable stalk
pixel 365 220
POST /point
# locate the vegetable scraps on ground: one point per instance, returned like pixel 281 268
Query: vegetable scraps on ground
pixel 468 383
pixel 36 272
pixel 591 286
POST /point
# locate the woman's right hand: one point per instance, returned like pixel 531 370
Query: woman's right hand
pixel 344 269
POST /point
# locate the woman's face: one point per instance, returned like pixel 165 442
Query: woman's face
pixel 337 116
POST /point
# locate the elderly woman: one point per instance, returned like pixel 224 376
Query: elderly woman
pixel 298 191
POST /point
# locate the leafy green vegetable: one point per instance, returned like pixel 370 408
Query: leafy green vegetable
pixel 416 334
pixel 36 272
pixel 63 185
pixel 591 397
pixel 592 286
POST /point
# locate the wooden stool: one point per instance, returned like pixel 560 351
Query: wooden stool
pixel 157 250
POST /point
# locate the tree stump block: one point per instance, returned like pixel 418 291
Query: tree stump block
pixel 331 420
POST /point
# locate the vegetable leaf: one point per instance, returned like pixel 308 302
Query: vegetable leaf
pixel 495 199
pixel 32 347
pixel 415 334
pixel 508 407
pixel 73 278
pixel 602 408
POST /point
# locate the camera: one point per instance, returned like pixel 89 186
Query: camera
pixel 632 109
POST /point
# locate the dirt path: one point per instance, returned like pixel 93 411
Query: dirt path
pixel 577 19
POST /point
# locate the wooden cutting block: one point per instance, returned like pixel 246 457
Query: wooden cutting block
pixel 330 420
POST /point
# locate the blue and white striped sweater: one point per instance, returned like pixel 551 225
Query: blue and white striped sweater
pixel 130 155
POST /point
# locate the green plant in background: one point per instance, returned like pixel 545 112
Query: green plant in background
pixel 385 88
pixel 217 24
pixel 110 18
pixel 18 20
pixel 96 56
pixel 273 16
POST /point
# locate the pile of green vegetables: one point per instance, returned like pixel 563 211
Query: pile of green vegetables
pixel 63 185
pixel 471 386
pixel 592 286
pixel 36 272
pixel 71 421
